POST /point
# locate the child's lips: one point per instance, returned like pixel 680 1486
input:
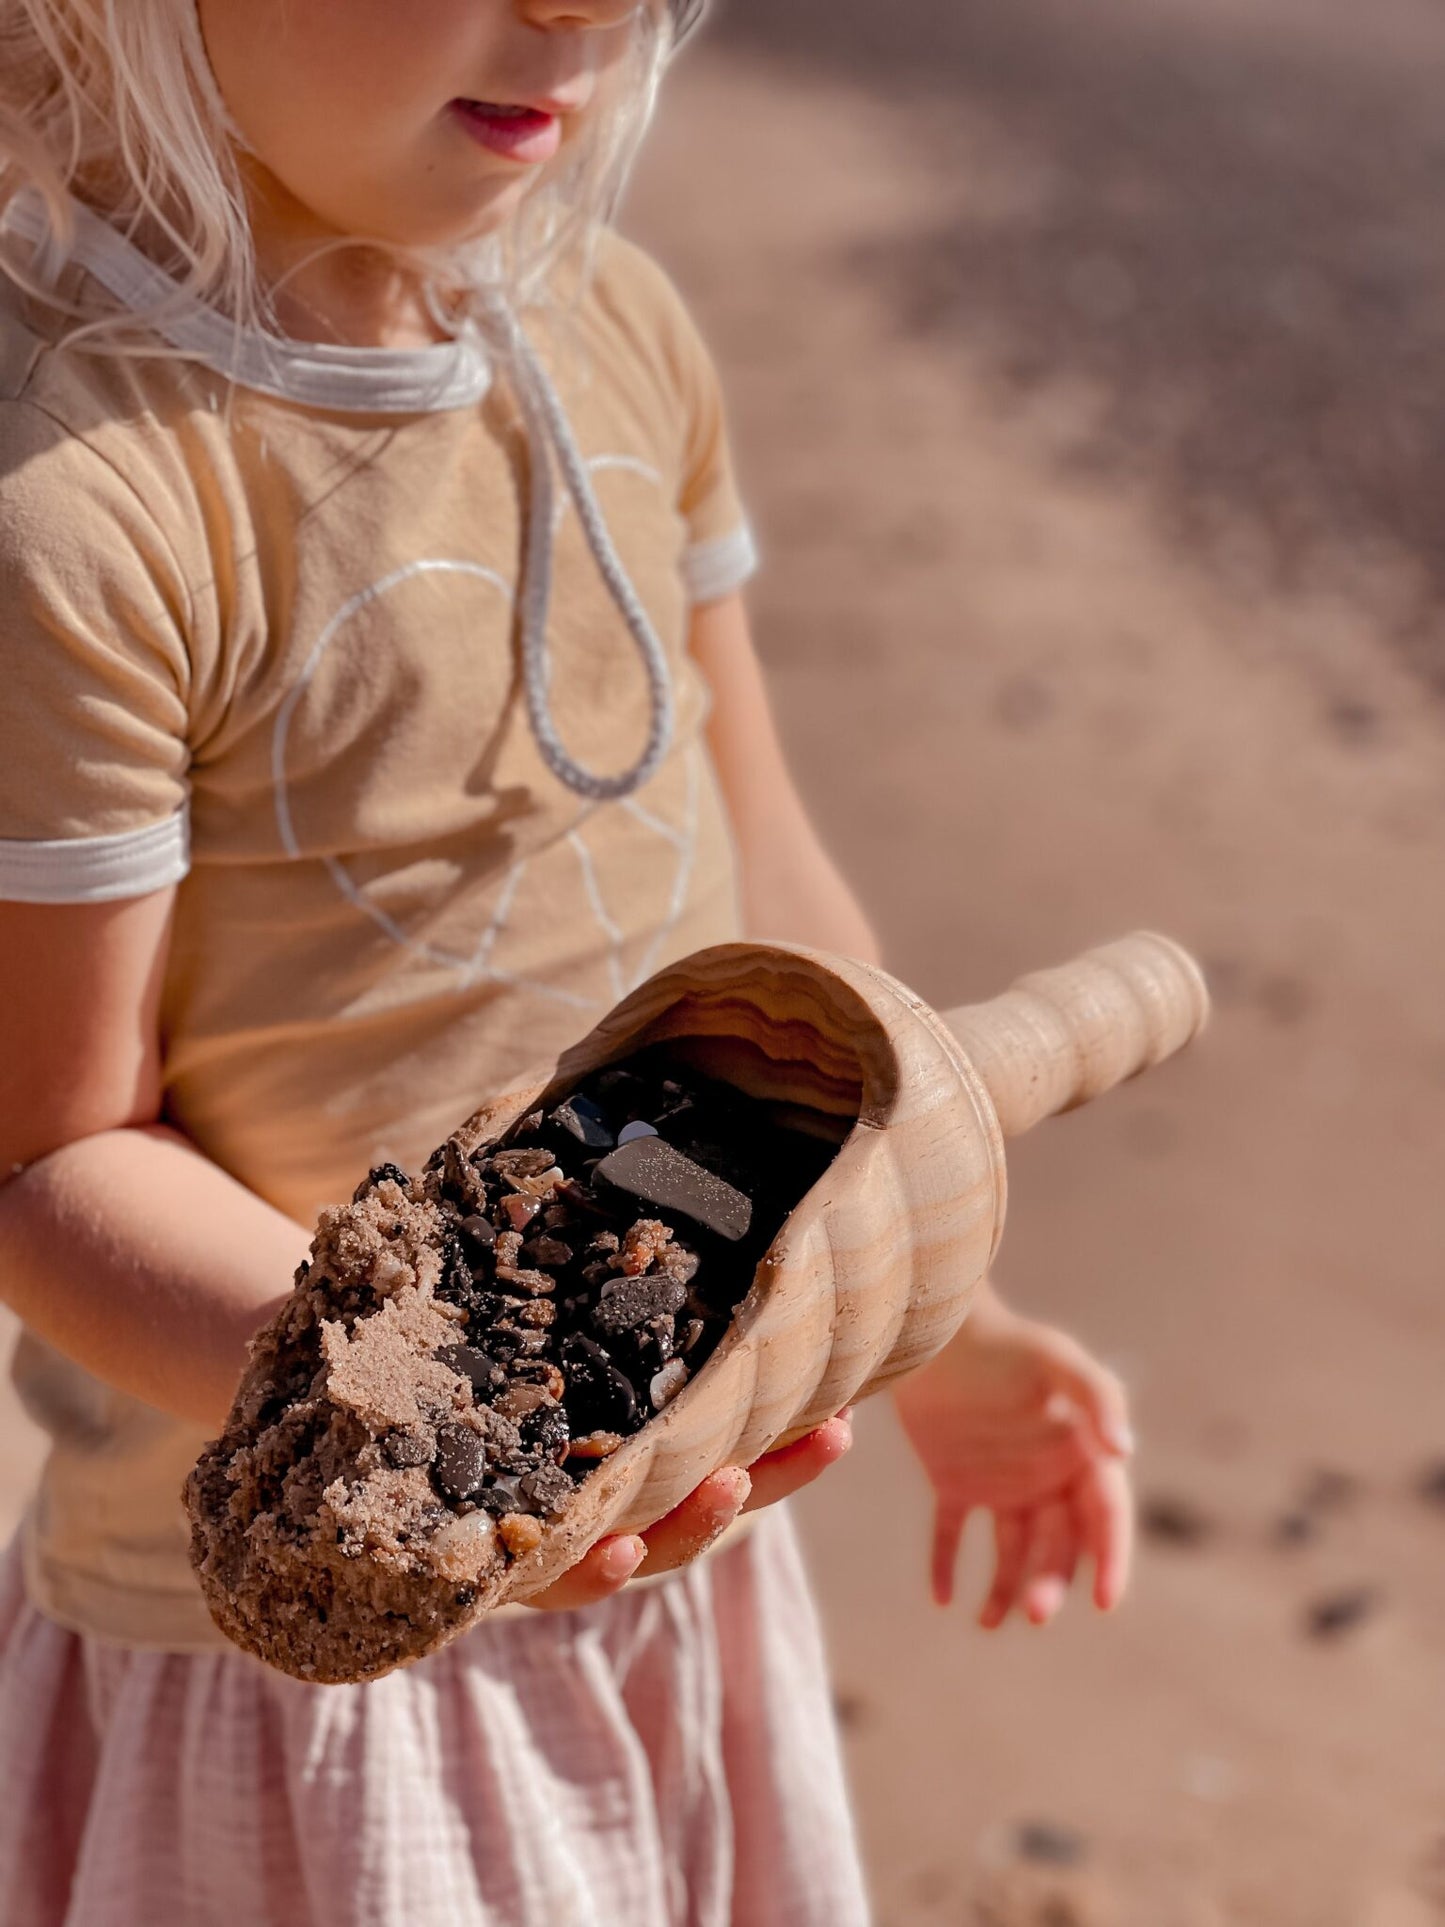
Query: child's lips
pixel 521 133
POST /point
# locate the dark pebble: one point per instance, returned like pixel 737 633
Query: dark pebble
pixel 478 1236
pixel 408 1448
pixel 598 1397
pixel 548 1251
pixel 484 1372
pixel 379 1174
pixel 1342 1612
pixel 660 1175
pixel 547 1490
pixel 546 1430
pixel 503 1494
pixel 1326 1489
pixel 1170 1520
pixel 1296 1528
pixel 513 1166
pixel 628 1302
pixel 457 1283
pixel 851 1711
pixel 460 1180
pixel 584 1123
pixel 461 1462
pixel 1045 1844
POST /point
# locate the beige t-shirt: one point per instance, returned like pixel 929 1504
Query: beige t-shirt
pixel 258 641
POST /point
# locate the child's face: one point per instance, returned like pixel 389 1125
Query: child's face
pixel 364 111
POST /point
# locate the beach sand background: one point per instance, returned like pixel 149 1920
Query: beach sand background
pixel 1085 372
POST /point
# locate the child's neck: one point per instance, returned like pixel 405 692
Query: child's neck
pixel 351 293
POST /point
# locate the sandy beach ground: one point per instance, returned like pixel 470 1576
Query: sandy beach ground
pixel 1086 380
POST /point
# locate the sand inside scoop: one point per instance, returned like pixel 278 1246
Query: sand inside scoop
pixel 464 1348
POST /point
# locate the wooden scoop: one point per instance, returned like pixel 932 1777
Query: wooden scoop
pixel 874 1270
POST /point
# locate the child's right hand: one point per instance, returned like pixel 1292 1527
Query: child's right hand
pixel 703 1516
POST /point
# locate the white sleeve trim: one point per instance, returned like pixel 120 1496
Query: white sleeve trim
pixel 716 568
pixel 97 869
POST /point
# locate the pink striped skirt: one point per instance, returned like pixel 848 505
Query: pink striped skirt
pixel 668 1759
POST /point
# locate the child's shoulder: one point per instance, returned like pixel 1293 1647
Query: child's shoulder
pixel 639 302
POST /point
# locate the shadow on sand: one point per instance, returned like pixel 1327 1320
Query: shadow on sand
pixel 1227 228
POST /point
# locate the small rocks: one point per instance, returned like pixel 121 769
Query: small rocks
pixel 1298 1528
pixel 629 1302
pixel 482 1373
pixel 520 1533
pixel 1170 1519
pixel 1335 1614
pixel 380 1174
pixel 577 1307
pixel 583 1121
pixel 461 1461
pixel 657 1174
pixel 1043 1843
pixel 667 1383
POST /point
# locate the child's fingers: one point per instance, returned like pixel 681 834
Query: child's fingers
pixel 1098 1394
pixel 949 1519
pixel 1011 1546
pixel 1105 1511
pixel 777 1474
pixel 598 1574
pixel 1053 1556
pixel 704 1515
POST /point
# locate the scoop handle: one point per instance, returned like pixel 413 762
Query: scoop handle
pixel 1061 1037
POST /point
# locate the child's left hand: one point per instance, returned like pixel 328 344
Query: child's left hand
pixel 1016 1419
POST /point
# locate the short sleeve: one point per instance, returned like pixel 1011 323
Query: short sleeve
pixel 722 552
pixel 94 676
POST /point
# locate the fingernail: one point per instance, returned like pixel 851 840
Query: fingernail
pixel 738 1483
pixel 1046 1596
pixel 622 1559
pixel 1122 1439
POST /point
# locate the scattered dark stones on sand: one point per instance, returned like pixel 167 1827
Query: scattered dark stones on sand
pixel 1296 1528
pixel 1169 1519
pixel 1335 1614
pixel 1326 1488
pixel 851 1710
pixel 1044 1843
pixel 1323 1492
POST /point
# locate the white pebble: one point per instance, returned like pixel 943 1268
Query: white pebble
pixel 667 1383
pixel 635 1130
pixel 464 1546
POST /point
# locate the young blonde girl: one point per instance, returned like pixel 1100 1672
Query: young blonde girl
pixel 379 705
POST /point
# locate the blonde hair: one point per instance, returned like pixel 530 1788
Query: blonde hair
pixel 113 102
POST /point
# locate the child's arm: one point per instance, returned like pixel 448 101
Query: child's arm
pixel 1013 1417
pixel 119 1243
pixel 130 1252
pixel 791 890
